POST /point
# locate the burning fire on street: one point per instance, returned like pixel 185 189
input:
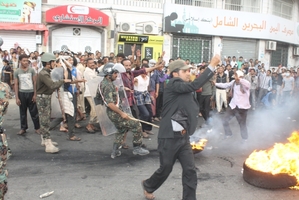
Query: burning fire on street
pixel 198 146
pixel 275 168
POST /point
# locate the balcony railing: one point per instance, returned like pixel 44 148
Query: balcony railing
pixel 244 8
pixel 201 3
pixel 156 4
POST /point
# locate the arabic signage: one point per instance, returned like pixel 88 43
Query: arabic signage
pixel 133 38
pixel 79 15
pixel 208 21
pixel 20 11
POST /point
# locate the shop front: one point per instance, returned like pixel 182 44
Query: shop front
pixel 20 25
pixel 77 28
pixel 149 46
pixel 250 35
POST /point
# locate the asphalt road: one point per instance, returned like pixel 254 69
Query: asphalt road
pixel 84 170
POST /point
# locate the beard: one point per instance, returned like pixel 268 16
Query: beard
pixel 128 70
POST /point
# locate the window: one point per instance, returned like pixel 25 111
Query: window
pixel 233 5
pixel 283 8
pixel 243 5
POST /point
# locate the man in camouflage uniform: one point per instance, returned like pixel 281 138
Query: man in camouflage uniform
pixel 4 149
pixel 45 87
pixel 109 95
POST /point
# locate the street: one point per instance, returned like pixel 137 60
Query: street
pixel 84 170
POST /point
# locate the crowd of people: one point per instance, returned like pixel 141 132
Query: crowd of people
pixel 216 85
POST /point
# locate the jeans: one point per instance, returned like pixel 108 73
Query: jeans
pixel 145 114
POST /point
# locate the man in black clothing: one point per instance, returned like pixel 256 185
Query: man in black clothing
pixel 173 137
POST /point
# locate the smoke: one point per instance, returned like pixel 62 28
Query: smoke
pixel 265 126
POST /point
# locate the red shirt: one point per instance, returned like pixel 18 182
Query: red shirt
pixel 128 82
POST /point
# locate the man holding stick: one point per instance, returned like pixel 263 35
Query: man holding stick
pixel 178 123
pixel 108 92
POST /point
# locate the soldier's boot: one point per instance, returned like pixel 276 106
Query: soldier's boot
pixel 50 148
pixel 44 142
pixel 115 151
pixel 138 150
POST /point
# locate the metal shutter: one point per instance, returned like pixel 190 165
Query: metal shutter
pixel 239 47
pixel 26 39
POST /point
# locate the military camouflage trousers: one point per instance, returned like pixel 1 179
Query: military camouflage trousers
pixel 44 112
pixel 3 171
pixel 3 109
pixel 123 126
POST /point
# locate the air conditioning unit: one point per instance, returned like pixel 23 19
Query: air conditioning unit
pixel 296 51
pixel 150 29
pixel 127 27
pixel 271 45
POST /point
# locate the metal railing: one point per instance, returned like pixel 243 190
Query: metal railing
pixel 244 8
pixel 156 4
pixel 200 3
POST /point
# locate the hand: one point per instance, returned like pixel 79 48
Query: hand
pixel 215 60
pixel 133 48
pixel 156 94
pixel 236 77
pixel 18 102
pixel 34 98
pixel 67 80
pixel 138 54
pixel 124 115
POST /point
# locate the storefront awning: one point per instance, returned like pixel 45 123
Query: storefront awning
pixel 22 26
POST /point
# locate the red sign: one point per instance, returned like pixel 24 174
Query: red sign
pixel 79 15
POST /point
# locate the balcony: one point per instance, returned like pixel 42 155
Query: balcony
pixel 148 5
pixel 201 3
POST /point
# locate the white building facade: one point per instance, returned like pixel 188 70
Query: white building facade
pixel 266 30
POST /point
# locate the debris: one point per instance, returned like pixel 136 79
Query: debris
pixel 46 194
pixel 210 147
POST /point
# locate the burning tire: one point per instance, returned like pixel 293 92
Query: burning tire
pixel 267 180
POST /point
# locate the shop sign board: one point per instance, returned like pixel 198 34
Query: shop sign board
pixel 78 15
pixel 20 11
pixel 220 22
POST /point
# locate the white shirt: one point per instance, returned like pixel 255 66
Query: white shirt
pixel 233 63
pixel 142 84
pixel 239 99
pixel 89 74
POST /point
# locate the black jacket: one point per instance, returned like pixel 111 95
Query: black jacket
pixel 177 96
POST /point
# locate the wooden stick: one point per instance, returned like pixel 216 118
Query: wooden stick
pixel 154 125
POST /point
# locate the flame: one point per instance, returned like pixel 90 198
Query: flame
pixel 199 145
pixel 282 158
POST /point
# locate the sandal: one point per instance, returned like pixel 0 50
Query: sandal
pixel 124 146
pixel 21 132
pixel 78 125
pixel 74 138
pixel 62 129
pixel 147 195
